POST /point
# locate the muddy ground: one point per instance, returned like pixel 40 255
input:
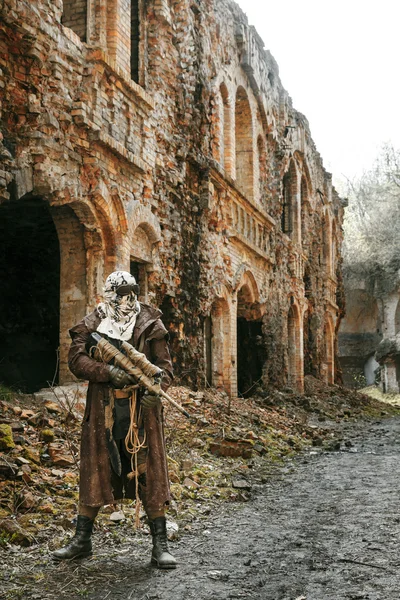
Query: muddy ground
pixel 324 525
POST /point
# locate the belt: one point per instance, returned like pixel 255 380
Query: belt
pixel 120 394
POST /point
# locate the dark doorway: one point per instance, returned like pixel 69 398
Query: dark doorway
pixel 250 355
pixel 138 270
pixel 30 295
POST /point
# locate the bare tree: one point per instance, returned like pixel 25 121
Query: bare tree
pixel 372 222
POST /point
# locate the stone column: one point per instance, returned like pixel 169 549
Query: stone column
pixel 390 383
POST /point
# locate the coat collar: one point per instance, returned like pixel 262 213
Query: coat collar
pixel 147 316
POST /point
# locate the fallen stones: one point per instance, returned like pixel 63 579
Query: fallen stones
pixel 17 426
pixel 27 501
pixel 53 407
pixel 117 516
pixel 26 414
pixel 197 443
pixel 59 458
pixel 20 460
pixel 234 448
pixel 187 465
pixel 6 437
pixel 8 469
pixel 189 483
pixel 38 420
pixel 57 473
pixel 32 455
pixel 241 484
pixel 15 533
pixel 260 449
pixel 21 440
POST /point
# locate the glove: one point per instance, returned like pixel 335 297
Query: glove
pixel 119 378
pixel 150 400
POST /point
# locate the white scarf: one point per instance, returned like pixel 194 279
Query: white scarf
pixel 118 313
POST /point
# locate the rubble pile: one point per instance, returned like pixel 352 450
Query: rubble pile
pixel 216 456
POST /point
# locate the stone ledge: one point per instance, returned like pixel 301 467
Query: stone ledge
pixel 96 135
pixel 235 235
pixel 220 179
pixel 97 55
pixel 118 149
pixel 388 349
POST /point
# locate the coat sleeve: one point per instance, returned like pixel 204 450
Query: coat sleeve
pixel 160 355
pixel 79 362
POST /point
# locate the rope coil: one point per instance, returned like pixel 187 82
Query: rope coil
pixel 133 446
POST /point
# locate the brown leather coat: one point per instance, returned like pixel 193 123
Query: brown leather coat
pixel 95 469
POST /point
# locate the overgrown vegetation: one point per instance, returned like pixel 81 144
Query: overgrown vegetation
pixel 372 241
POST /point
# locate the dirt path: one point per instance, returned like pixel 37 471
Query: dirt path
pixel 328 530
pixel 327 527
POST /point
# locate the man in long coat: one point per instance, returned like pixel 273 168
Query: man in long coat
pixel 106 468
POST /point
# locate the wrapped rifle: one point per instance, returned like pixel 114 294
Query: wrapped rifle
pixel 135 363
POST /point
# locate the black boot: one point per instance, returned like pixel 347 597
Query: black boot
pixel 160 555
pixel 81 544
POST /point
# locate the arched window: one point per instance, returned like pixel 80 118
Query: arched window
pixel 74 16
pixel 135 39
pixel 226 131
pixel 124 35
pixel 327 243
pixel 289 216
pixel 333 250
pixel 304 201
pixel 262 169
pixel 141 258
pixel 244 144
pixel 222 142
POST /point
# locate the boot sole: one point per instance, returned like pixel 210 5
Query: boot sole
pixel 155 562
pixel 82 555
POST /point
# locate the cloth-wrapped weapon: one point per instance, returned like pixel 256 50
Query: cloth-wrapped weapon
pixel 134 363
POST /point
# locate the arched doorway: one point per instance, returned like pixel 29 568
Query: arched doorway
pixel 217 337
pixel 250 347
pixel 290 209
pixel 30 295
pixel 304 207
pixel 141 258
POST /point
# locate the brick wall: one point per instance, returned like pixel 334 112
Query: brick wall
pixel 196 154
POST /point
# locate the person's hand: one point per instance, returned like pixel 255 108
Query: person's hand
pixel 150 400
pixel 119 378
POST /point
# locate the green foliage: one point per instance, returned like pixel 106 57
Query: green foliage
pixel 6 393
pixel 4 539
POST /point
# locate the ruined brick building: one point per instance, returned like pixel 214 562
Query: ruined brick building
pixel 369 336
pixel 156 136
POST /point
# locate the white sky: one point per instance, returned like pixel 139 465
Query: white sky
pixel 339 60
